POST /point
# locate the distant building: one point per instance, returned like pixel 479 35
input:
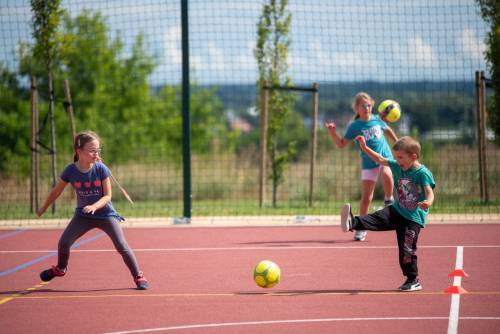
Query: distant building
pixel 241 124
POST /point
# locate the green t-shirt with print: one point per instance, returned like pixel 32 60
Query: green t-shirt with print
pixel 409 190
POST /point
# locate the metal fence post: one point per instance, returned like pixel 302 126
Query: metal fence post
pixel 481 134
pixel 186 122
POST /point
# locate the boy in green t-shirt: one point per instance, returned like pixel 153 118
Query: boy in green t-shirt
pixel 414 185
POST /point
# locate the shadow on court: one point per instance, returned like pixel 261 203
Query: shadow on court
pixel 291 243
pixel 315 292
pixel 41 291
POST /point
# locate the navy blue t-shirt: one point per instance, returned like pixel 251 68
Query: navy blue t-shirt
pixel 88 189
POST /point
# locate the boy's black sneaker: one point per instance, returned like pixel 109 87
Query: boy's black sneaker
pixel 346 218
pixel 141 282
pixel 49 274
pixel 411 284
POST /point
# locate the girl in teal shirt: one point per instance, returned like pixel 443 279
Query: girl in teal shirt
pixel 373 129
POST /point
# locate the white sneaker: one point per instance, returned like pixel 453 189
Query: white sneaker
pixel 360 235
pixel 346 218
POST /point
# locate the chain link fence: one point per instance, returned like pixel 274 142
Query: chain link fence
pixel 123 63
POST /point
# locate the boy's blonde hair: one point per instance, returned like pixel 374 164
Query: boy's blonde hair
pixel 358 97
pixel 408 145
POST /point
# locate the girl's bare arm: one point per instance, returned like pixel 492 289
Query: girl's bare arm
pixel 389 132
pixel 53 195
pixel 371 153
pixel 339 142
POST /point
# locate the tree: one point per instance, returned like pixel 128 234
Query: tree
pixel 112 96
pixel 46 17
pixel 490 11
pixel 14 117
pixel 271 53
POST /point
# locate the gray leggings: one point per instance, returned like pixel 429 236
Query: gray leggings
pixel 78 226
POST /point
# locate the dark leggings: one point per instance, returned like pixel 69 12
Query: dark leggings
pixel 388 219
pixel 78 226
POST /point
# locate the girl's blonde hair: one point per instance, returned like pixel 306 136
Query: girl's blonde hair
pixel 407 145
pixel 81 139
pixel 361 96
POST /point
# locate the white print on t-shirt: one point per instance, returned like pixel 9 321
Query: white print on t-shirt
pixel 373 132
pixel 88 193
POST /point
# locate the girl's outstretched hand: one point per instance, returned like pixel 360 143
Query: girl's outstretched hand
pixel 330 125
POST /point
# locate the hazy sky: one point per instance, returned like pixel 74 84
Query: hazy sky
pixel 331 40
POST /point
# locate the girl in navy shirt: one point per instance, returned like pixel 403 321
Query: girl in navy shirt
pixel 89 176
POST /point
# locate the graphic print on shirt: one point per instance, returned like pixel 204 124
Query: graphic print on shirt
pixel 373 132
pixel 407 194
pixel 88 188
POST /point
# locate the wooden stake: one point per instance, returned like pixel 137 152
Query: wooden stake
pixel 124 192
pixel 34 150
pixel 69 108
pixel 264 102
pixel 314 140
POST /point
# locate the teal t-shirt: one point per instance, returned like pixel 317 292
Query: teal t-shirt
pixel 373 131
pixel 409 190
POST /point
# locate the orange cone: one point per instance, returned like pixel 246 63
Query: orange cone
pixel 455 289
pixel 458 272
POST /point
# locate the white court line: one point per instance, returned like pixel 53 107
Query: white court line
pixel 290 321
pixel 203 249
pixel 455 298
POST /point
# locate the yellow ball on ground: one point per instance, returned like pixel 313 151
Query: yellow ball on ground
pixel 266 274
pixel 389 110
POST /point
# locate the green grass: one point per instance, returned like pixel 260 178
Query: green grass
pixel 227 185
pixel 236 208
